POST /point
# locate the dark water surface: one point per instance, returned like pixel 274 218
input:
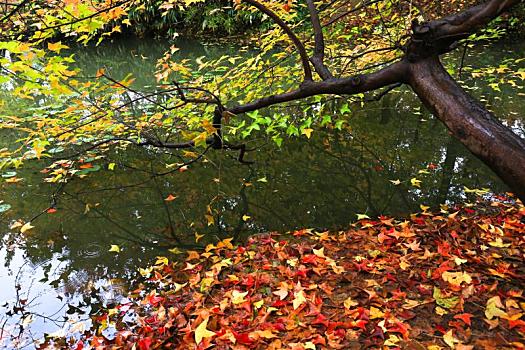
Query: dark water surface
pixel 63 265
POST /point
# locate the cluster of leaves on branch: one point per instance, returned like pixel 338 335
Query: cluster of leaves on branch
pixel 452 279
pixel 75 108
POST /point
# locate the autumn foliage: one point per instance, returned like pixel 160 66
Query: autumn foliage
pixel 452 279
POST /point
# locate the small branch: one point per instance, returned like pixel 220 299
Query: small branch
pixel 15 10
pixel 298 44
pixel 318 58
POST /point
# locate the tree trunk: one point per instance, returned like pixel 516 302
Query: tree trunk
pixel 471 123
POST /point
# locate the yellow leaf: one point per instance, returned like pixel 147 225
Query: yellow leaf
pixel 493 308
pixel 299 299
pixel 456 278
pixel 309 346
pixel 415 182
pixel 238 297
pixel 175 250
pixel 319 252
pixel 161 260
pixel 258 304
pixel 27 226
pixel 307 132
pixel 111 166
pixel 362 216
pixel 179 286
pixel 246 217
pixel 198 237
pixel 56 47
pixel 349 302
pixel 459 261
pixel 449 339
pixel 424 207
pixel 376 313
pixel 145 272
pixel 201 332
pixel 498 243
pixel 114 248
pixel 395 182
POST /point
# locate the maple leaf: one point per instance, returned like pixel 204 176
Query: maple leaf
pixel 464 317
pixel 376 313
pixel 493 308
pixel 26 227
pixel 449 339
pixel 114 248
pixel 170 198
pixel 201 332
pixel 456 278
pixel 238 297
pixel 299 299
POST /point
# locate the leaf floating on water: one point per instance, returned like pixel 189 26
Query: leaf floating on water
pixel 26 227
pixel 415 182
pixel 114 248
pixel 362 216
pixel 170 198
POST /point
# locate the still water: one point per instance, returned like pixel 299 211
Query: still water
pixel 63 267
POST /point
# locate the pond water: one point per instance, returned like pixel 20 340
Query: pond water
pixel 63 265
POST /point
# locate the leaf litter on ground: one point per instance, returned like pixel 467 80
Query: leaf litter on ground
pixel 447 280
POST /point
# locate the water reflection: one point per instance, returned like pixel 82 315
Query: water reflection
pixel 63 265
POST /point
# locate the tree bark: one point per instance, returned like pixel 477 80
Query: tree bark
pixel 471 123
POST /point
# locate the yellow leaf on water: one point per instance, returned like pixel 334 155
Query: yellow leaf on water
pixel 415 182
pixel 27 226
pixel 114 248
pixel 362 216
pixel 201 332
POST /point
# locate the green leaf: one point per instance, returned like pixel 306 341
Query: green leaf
pixel 442 301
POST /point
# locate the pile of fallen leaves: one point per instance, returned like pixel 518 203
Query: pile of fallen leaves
pixel 452 279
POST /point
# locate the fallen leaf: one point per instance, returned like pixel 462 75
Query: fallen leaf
pixel 201 332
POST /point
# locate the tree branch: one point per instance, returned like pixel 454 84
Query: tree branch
pixel 392 74
pixel 318 58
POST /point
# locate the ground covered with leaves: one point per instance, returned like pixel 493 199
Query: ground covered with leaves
pixel 452 279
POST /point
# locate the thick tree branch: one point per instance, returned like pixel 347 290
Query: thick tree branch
pixel 298 44
pixel 392 74
pixel 318 58
pixel 440 36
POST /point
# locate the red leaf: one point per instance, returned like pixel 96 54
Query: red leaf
pixel 145 344
pixel 464 317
